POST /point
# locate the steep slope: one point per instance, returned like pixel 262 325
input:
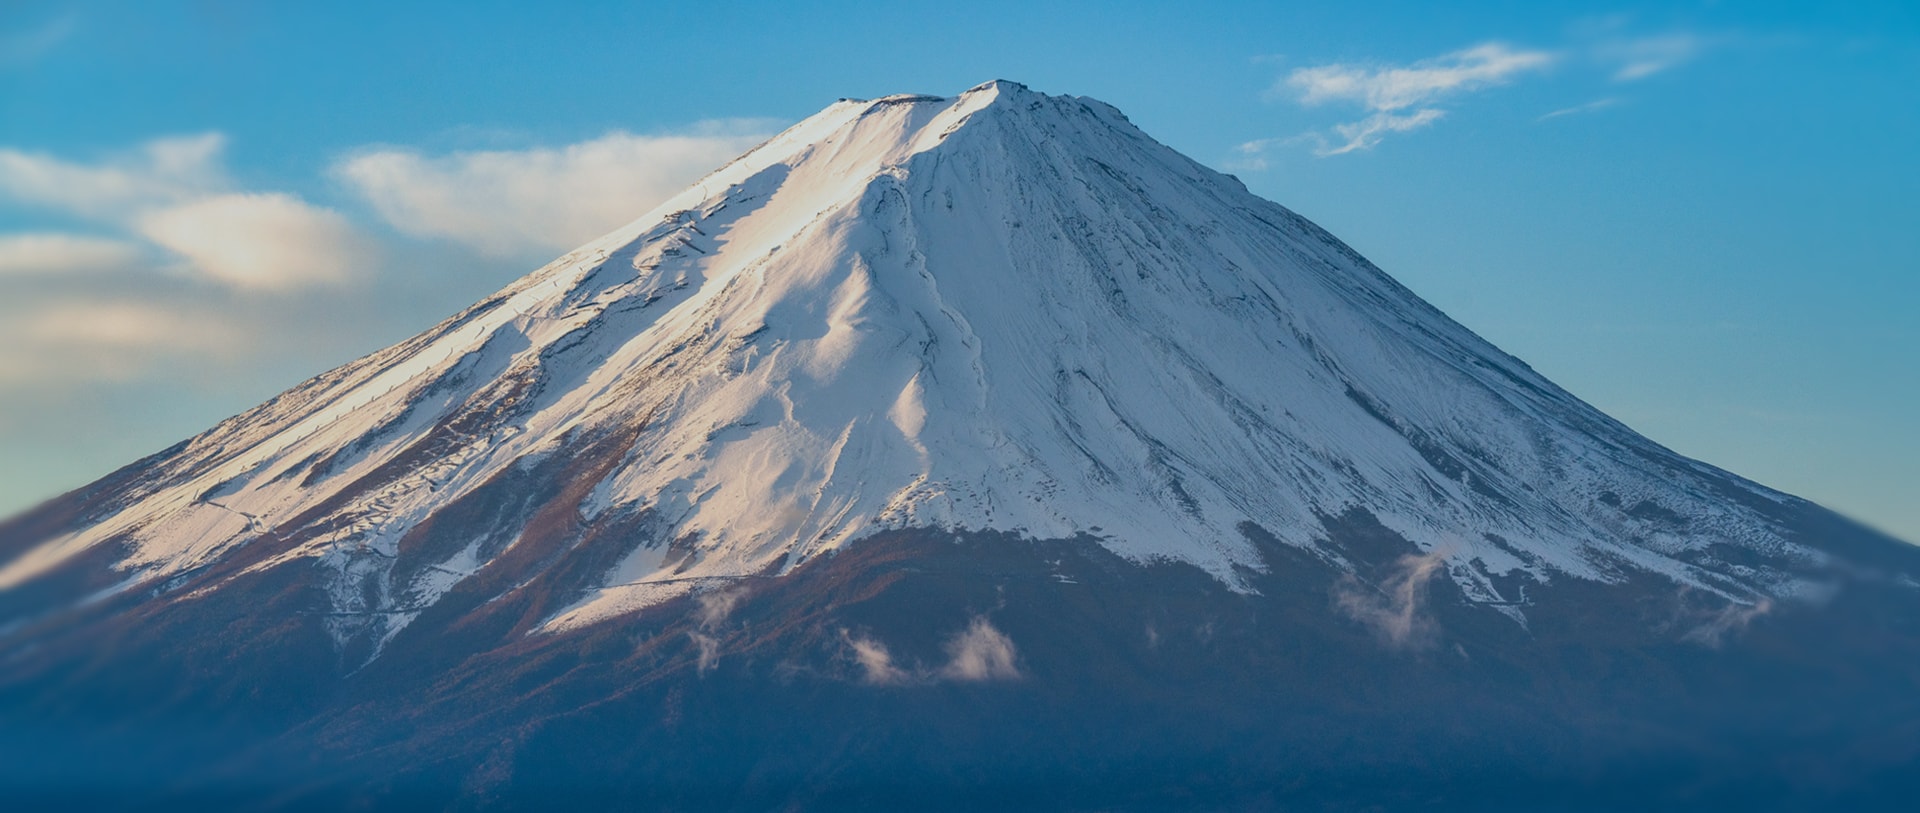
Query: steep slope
pixel 938 443
pixel 1001 311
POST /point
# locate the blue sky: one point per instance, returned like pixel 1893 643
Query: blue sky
pixel 1700 217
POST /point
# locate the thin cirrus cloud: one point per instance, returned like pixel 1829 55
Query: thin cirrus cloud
pixel 1590 107
pixel 1365 133
pixel 1404 98
pixel 1645 56
pixel 158 172
pixel 25 45
pixel 506 203
pixel 1399 87
pixel 1401 98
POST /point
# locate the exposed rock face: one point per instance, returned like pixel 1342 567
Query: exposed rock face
pixel 976 443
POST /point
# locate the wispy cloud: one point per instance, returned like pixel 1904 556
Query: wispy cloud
pixel 30 43
pixel 58 254
pixel 71 341
pixel 1365 133
pixel 1637 58
pixel 1590 107
pixel 707 651
pixel 507 202
pixel 152 275
pixel 168 264
pixel 1251 156
pixel 171 278
pixel 1401 98
pixel 1397 87
pixel 159 172
pixel 875 662
pixel 978 654
pixel 711 609
pixel 268 241
pixel 714 606
pixel 1729 620
pixel 1395 608
pixel 174 195
pixel 981 653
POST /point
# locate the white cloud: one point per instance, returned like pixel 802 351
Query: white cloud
pixel 708 649
pixel 174 194
pixel 1403 98
pixel 94 340
pixel 1251 156
pixel 1365 133
pixel 122 325
pixel 1395 608
pixel 713 607
pixel 175 291
pixel 977 654
pixel 1646 56
pixel 162 171
pixel 154 304
pixel 176 287
pixel 1397 87
pixel 1399 98
pixel 1729 621
pixel 51 253
pixel 260 241
pixel 1589 107
pixel 503 202
pixel 876 663
pixel 980 653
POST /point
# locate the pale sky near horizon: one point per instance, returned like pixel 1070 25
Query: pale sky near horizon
pixel 1700 217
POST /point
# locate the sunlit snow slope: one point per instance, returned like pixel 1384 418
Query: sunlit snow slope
pixel 1003 310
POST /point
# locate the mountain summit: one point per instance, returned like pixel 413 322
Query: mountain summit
pixel 1002 311
pixel 1004 342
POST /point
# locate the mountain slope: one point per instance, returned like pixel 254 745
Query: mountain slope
pixel 1003 311
pixel 1005 323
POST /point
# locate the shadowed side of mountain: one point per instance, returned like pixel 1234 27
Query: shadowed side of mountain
pixel 1000 311
pixel 949 453
pixel 935 671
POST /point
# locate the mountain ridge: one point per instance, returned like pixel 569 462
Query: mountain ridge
pixel 841 233
pixel 949 453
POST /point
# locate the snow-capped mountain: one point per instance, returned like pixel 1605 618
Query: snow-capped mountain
pixel 1002 315
pixel 1001 311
